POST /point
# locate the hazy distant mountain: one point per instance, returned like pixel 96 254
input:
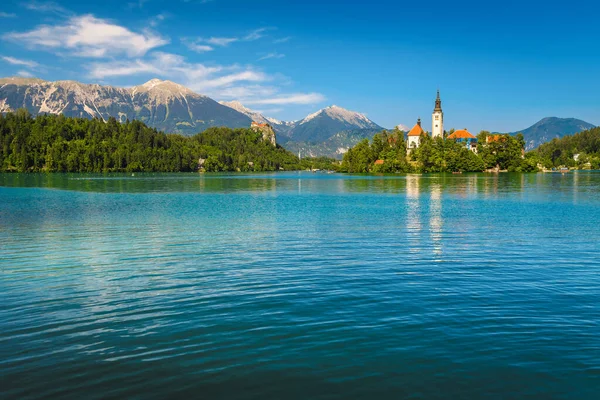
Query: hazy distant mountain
pixel 334 147
pixel 325 123
pixel 164 105
pixel 550 128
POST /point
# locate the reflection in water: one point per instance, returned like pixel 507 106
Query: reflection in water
pixel 435 218
pixel 413 219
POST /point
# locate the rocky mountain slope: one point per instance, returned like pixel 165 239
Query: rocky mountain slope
pixel 550 128
pixel 325 123
pixel 164 105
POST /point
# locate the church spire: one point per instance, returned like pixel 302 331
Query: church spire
pixel 438 102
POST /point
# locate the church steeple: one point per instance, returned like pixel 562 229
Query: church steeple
pixel 437 118
pixel 438 102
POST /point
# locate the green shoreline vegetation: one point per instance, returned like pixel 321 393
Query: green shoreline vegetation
pixel 438 155
pixel 504 153
pixel 55 143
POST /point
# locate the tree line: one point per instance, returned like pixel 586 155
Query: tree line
pixel 581 150
pixel 386 152
pixel 55 143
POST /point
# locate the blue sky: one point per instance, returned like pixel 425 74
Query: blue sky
pixel 500 66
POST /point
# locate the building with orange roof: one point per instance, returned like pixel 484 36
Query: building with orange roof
pixel 414 136
pixel 464 136
pixel 379 162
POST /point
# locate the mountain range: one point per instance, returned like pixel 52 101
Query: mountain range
pixel 173 108
pixel 169 107
pixel 160 104
pixel 552 127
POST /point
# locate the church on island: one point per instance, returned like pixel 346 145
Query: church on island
pixel 437 130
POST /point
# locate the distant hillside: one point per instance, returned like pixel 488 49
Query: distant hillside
pixel 164 105
pixel 579 150
pixel 550 128
pixel 334 147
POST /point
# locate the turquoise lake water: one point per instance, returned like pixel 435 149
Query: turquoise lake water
pixel 300 285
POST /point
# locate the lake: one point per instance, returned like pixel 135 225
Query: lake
pixel 300 285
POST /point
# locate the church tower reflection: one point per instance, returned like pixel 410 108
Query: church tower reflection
pixel 435 218
pixel 413 211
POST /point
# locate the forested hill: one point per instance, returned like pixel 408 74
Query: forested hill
pixel 55 143
pixel 575 150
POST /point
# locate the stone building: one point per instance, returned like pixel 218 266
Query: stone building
pixel 414 136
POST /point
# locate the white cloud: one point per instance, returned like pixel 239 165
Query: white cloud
pixel 256 34
pixel 227 80
pixel 24 63
pixel 7 15
pixel 199 48
pixel 241 92
pixel 269 111
pixel 137 4
pixel 88 36
pixel 243 83
pixel 46 7
pixel 25 74
pixel 157 19
pixel 271 55
pixel 282 40
pixel 202 45
pixel 294 98
pixel 221 41
pixel 121 68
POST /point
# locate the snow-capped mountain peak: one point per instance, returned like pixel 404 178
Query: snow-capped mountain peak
pixel 164 89
pixel 152 83
pixel 341 114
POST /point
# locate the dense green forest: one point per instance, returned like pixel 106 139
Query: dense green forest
pixel 54 143
pixel 437 155
pixel 562 152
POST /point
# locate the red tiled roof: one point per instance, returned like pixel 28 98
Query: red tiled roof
pixel 461 134
pixel 379 162
pixel 416 131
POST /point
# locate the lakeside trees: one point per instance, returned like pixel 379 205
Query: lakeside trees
pixel 387 146
pixel 437 155
pixel 581 150
pixel 55 143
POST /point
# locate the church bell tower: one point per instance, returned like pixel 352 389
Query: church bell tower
pixel 437 119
